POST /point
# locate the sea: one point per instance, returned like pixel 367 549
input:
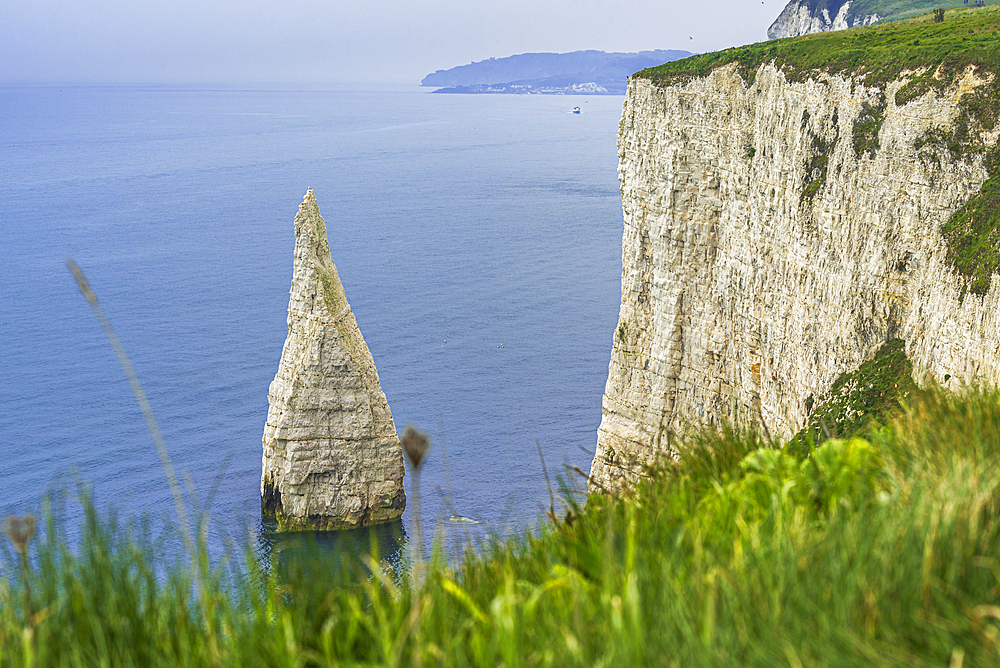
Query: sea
pixel 478 238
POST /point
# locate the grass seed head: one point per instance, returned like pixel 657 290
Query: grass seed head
pixel 19 530
pixel 416 445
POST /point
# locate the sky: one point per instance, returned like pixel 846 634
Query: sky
pixel 315 42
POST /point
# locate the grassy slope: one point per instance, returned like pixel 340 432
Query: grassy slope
pixel 864 553
pixel 872 392
pixel 880 52
pixel 932 55
pixel 894 10
pixel 973 236
pixel 891 10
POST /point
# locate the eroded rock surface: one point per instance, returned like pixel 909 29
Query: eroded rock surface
pixel 768 248
pixel 332 459
pixel 802 17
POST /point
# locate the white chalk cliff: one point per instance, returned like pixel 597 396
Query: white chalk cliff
pixel 802 17
pixel 332 459
pixel 753 275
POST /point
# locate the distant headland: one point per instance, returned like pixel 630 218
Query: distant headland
pixel 577 73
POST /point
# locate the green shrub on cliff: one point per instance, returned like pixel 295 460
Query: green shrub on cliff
pixel 872 393
pixel 973 236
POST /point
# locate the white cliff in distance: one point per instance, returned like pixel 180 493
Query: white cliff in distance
pixel 332 459
pixel 802 17
pixel 763 255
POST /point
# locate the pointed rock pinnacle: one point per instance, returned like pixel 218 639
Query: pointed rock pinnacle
pixel 332 459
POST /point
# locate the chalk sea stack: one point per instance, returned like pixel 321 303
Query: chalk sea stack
pixel 332 459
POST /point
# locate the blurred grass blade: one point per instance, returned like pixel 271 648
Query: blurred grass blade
pixel 140 396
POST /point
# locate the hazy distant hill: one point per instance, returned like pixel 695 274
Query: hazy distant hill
pixel 584 72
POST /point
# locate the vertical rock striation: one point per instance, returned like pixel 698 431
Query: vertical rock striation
pixel 770 244
pixel 802 17
pixel 332 459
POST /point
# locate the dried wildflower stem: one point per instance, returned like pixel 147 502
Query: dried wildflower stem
pixel 26 582
pixel 19 531
pixel 140 396
pixel 418 554
pixel 416 445
pixel 552 498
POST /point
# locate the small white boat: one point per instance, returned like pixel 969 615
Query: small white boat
pixel 576 110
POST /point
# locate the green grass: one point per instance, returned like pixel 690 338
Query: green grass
pixel 819 160
pixel 894 10
pixel 873 392
pixel 973 236
pixel 867 552
pixel 878 53
pixel 888 10
pixel 866 127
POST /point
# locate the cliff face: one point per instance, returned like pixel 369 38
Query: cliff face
pixel 331 455
pixel 801 17
pixel 776 235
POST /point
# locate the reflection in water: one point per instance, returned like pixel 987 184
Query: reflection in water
pixel 333 554
pixel 331 551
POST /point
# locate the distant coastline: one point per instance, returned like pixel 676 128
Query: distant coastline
pixel 588 88
pixel 576 73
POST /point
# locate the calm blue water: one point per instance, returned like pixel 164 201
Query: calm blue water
pixel 458 224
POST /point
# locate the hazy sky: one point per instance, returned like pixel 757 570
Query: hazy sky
pixel 311 41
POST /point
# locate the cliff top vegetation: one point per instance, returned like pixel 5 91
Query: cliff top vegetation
pixel 885 9
pixel 899 9
pixel 879 53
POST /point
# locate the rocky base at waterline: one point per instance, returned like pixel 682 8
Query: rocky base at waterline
pixel 332 459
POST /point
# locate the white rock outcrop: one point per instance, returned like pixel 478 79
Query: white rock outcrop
pixel 802 17
pixel 743 294
pixel 332 459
